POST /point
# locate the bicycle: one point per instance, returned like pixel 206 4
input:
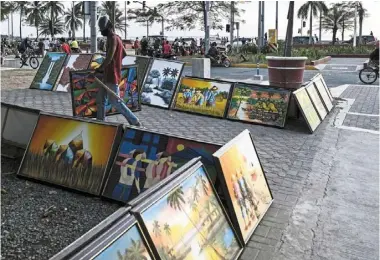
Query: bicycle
pixel 30 55
pixel 369 74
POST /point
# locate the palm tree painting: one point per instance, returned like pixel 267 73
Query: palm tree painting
pixel 129 246
pixel 160 85
pixel 190 235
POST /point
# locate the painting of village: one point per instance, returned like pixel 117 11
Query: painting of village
pixel 248 190
pixel 145 158
pixel 49 71
pixel 188 222
pixel 74 62
pixel 307 108
pixel 129 246
pixel 161 82
pixel 69 153
pixel 252 103
pixel 203 96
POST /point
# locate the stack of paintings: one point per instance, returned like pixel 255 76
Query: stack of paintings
pixel 203 96
pixel 70 152
pixel 161 82
pixel 146 158
pixel 186 220
pixel 259 104
pixel 49 71
pixel 244 184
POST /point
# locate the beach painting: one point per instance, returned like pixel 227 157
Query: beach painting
pixel 161 82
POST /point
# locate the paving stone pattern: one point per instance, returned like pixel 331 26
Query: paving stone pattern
pixel 366 99
pixel 366 122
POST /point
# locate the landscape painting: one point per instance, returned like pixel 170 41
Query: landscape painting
pixel 248 194
pixel 203 96
pixel 145 158
pixel 307 109
pixel 188 221
pixel 316 100
pixel 161 82
pixel 257 104
pixel 74 62
pixel 69 152
pixel 142 63
pixel 96 61
pixel 128 246
pixel 49 71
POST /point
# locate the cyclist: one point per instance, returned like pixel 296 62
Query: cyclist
pixel 23 48
pixel 374 56
pixel 213 53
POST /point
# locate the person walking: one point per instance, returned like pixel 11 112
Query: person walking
pixel 75 46
pixel 47 45
pixel 41 48
pixel 64 46
pixel 111 69
pixel 136 46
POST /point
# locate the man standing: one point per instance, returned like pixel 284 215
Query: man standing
pixel 47 45
pixel 111 69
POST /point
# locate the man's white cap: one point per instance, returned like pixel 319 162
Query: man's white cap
pixel 103 22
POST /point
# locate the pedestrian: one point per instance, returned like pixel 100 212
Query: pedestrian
pixel 64 46
pixel 47 45
pixel 111 69
pixel 316 37
pixel 74 46
pixel 136 46
pixel 41 47
pixel 371 33
pixel 167 49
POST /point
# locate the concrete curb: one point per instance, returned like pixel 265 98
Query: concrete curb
pixel 254 66
pixel 321 61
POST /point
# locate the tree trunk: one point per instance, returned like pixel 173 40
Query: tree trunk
pixel 360 29
pixel 311 26
pixel 289 31
pixel 37 32
pixel 334 35
pixel 320 26
pixel 21 11
pixel 52 23
pixel 343 26
pixel 12 24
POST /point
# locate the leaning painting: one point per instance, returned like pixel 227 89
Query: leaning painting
pixel 96 61
pixel 145 158
pixel 203 96
pixel 142 63
pixel 257 104
pixel 49 71
pixel 243 179
pixel 188 222
pixel 69 152
pixel 161 82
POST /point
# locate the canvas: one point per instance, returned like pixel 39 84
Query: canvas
pixel 203 96
pixel 4 111
pixel 49 71
pixel 243 179
pixel 324 93
pixel 74 62
pixel 307 109
pixel 84 92
pixel 142 63
pixel 69 152
pixel 97 60
pixel 316 100
pixel 187 221
pixel 161 82
pixel 145 158
pixel 258 104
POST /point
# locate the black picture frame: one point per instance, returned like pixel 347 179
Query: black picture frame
pixel 113 150
pixel 252 85
pixel 175 87
pixel 138 210
pixel 73 250
pixel 321 115
pixel 53 85
pixel 224 188
pixel 207 80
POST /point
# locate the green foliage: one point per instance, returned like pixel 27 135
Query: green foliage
pixel 107 8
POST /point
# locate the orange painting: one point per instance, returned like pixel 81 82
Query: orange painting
pixel 246 184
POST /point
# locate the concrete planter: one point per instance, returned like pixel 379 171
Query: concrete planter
pixel 286 72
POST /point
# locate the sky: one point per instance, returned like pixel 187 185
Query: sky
pixel 248 29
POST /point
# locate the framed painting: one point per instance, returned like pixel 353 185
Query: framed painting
pixel 96 60
pixel 74 250
pixel 142 63
pixel 4 113
pixel 49 71
pixel 308 111
pixel 324 93
pixel 145 158
pixel 320 78
pixel 70 152
pixel 84 92
pixel 316 100
pixel 161 82
pixel 202 96
pixel 259 104
pixel 74 62
pixel 243 180
pixel 186 220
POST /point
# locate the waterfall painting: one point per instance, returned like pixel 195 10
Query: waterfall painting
pixel 49 71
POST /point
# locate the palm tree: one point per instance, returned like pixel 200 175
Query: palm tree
pixel 323 9
pixel 362 12
pixel 73 18
pixel 166 72
pixel 46 27
pixel 107 8
pixel 347 21
pixel 20 6
pixel 168 232
pixel 174 73
pixel 134 252
pixel 332 20
pixel 313 7
pixel 6 10
pixel 34 14
pixel 55 8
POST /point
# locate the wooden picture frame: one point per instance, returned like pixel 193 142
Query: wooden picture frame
pixel 316 100
pixel 324 94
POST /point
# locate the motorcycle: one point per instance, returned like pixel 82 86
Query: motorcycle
pixel 221 61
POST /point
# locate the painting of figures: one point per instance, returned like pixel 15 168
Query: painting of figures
pixel 257 104
pixel 129 245
pixel 243 179
pixel 145 158
pixel 142 63
pixel 203 96
pixel 97 60
pixel 69 152
pixel 49 71
pixel 161 82
pixel 187 221
pixel 74 62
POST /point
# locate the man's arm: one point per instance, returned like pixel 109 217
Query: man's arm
pixel 110 54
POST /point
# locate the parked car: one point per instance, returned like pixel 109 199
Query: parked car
pixel 366 39
pixel 304 40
